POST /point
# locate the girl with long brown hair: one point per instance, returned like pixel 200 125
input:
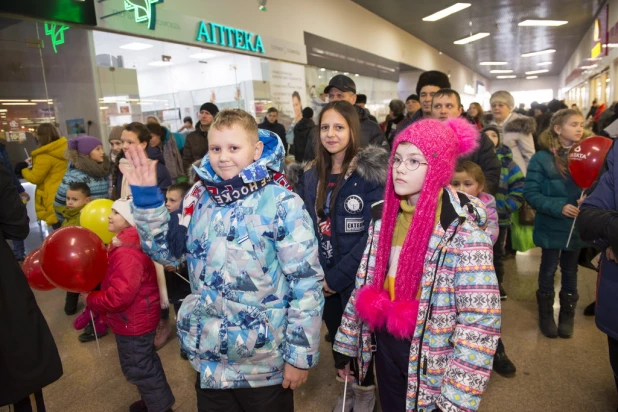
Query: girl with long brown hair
pixel 339 188
pixel 475 111
pixel 551 191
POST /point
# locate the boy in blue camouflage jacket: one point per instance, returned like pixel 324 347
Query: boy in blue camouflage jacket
pixel 252 322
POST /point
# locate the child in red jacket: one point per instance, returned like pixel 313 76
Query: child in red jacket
pixel 129 297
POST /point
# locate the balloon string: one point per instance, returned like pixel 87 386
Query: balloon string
pixel 94 329
pixel 574 220
pixel 345 390
pixel 182 277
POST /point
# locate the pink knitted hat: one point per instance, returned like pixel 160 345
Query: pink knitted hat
pixel 441 144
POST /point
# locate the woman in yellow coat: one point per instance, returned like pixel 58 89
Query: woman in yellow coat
pixel 48 168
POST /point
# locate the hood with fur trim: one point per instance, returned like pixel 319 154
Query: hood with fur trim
pixel 371 163
pixel 520 124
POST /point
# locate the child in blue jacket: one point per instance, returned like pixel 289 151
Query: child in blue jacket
pixel 253 318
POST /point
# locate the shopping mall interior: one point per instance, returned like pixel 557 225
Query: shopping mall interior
pixel 92 68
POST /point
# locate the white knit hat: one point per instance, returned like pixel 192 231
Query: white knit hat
pixel 123 207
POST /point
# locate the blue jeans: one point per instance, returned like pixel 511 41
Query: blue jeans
pixel 550 259
pixel 19 249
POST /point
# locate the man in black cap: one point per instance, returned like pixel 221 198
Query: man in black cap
pixel 413 104
pixel 196 145
pixel 361 101
pixel 342 87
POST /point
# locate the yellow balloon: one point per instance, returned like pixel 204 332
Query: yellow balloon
pixel 94 217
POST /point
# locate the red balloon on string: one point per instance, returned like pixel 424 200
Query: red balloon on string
pixel 586 158
pixel 74 259
pixel 34 273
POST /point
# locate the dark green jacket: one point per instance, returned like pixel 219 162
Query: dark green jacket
pixel 547 191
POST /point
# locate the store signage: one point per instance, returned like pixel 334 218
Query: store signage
pixel 221 35
pixel 145 11
pixel 55 33
pixel 600 34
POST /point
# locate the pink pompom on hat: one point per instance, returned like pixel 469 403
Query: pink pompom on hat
pixel 441 144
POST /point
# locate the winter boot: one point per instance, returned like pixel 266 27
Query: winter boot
pixel 88 335
pixel 568 302
pixel 349 397
pixel 364 397
pixel 546 314
pixel 164 332
pixel 503 365
pixel 70 304
pixel 139 406
pixel 589 310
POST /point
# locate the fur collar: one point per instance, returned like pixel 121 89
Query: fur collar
pixel 87 165
pixel 371 164
pixel 521 124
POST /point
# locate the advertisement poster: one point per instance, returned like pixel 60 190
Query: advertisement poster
pixel 76 127
pixel 288 92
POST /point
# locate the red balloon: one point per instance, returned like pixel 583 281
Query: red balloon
pixel 34 273
pixel 586 158
pixel 74 259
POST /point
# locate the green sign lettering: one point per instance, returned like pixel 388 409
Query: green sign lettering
pixel 145 11
pixel 229 37
pixel 55 33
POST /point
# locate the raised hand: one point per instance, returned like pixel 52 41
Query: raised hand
pixel 141 171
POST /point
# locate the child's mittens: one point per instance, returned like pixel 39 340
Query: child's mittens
pixel 82 320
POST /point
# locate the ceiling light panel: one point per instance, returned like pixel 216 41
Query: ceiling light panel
pixel 493 63
pixel 543 23
pixel 136 46
pixel 447 11
pixel 202 55
pixel 506 77
pixel 472 38
pixel 539 53
pixel 537 71
pixel 544 64
pixel 500 71
pixel 532 77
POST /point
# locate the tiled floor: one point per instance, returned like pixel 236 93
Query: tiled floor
pixel 553 375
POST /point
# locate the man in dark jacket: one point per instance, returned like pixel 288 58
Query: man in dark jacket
pixel 447 105
pixel 361 101
pixel 428 84
pixel 302 132
pixel 19 248
pixel 598 225
pixel 196 145
pixel 29 358
pixel 342 87
pixel 270 123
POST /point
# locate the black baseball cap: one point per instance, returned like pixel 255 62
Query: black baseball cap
pixel 341 82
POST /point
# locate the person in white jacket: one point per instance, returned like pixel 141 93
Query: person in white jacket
pixel 519 137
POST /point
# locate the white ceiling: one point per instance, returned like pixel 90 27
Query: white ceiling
pixel 109 43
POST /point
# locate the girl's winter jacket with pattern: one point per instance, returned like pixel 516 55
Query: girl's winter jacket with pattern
pixel 83 169
pixel 129 294
pixel 351 215
pixel 458 322
pixel 548 192
pixel 48 168
pixel 493 230
pixel 256 280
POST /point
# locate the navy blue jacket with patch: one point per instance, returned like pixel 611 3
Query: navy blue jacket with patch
pixel 365 180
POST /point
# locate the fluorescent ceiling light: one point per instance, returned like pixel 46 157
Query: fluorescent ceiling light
pixel 537 71
pixel 103 108
pixel 589 67
pixel 40 100
pixel 506 77
pixel 19 104
pixel 136 46
pixel 532 77
pixel 160 63
pixel 9 100
pixel 322 69
pixel 538 53
pixel 493 63
pixel 472 38
pixel 610 45
pixel 501 71
pixel 3 110
pixel 356 75
pixel 544 64
pixel 202 55
pixel 552 23
pixel 447 11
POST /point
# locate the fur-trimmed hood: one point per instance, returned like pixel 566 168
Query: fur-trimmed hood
pixel 87 165
pixel 371 163
pixel 520 124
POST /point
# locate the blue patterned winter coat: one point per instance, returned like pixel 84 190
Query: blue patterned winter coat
pixel 83 169
pixel 458 321
pixel 256 282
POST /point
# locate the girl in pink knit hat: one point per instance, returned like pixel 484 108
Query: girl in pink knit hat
pixel 426 300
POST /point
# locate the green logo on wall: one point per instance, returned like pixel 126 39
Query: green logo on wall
pixel 145 11
pixel 55 33
pixel 229 37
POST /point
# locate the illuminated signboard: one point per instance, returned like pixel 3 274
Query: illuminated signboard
pixel 55 33
pixel 221 35
pixel 145 11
